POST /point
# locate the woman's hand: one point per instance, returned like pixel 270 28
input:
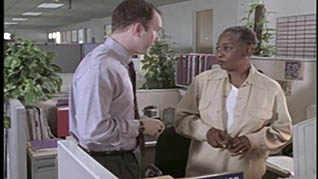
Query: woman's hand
pixel 239 146
pixel 217 138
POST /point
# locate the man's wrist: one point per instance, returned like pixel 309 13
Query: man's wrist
pixel 141 127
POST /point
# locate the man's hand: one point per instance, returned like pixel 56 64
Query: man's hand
pixel 240 145
pixel 217 138
pixel 153 127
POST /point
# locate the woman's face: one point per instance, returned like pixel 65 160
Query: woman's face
pixel 231 53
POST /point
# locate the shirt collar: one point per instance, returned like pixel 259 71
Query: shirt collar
pixel 124 56
pixel 251 78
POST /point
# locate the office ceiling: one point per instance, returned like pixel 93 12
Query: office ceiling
pixel 73 11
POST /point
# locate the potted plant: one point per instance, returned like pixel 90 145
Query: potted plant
pixel 259 23
pixel 159 90
pixel 29 74
pixel 159 67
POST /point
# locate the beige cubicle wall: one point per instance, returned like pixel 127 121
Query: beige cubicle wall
pixel 301 91
pixel 161 98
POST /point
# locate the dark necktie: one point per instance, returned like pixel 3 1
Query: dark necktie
pixel 132 75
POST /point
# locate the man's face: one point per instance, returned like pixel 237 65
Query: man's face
pixel 231 53
pixel 150 35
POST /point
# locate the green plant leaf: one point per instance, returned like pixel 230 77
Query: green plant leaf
pixel 262 48
pixel 24 68
pixel 158 66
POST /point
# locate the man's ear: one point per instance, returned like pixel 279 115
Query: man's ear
pixel 137 28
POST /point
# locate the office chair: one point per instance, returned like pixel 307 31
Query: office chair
pixel 172 153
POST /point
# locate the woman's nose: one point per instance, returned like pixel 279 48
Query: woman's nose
pixel 219 54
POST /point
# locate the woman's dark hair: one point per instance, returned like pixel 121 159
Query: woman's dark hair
pixel 244 34
pixel 132 11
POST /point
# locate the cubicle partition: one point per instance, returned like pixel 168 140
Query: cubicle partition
pixel 305 149
pixel 68 56
pixel 73 162
pixel 17 158
pixel 297 77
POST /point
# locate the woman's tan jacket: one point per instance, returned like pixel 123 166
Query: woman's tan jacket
pixel 260 113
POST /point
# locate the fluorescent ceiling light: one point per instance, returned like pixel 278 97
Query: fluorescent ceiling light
pixel 19 19
pixel 50 5
pixel 32 13
pixel 10 23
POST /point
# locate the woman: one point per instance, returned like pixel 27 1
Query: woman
pixel 234 114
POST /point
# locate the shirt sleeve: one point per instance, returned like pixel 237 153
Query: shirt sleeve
pixel 96 124
pixel 279 131
pixel 187 118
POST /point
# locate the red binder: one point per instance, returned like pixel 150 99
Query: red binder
pixel 62 125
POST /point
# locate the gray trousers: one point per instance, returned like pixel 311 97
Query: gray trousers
pixel 124 166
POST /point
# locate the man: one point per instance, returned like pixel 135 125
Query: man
pixel 102 99
pixel 234 115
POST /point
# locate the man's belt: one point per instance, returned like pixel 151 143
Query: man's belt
pixel 120 152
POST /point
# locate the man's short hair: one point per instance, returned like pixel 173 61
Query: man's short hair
pixel 132 11
pixel 244 34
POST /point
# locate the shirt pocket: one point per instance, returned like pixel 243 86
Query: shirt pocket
pixel 209 112
pixel 259 117
pixel 260 114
